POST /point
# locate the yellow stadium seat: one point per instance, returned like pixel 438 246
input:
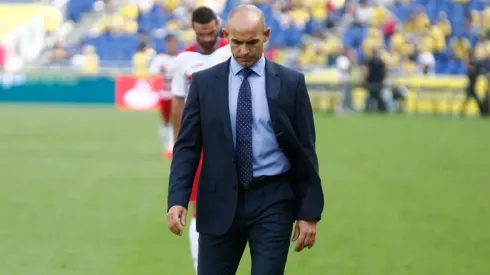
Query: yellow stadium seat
pixel 91 65
pixel 332 46
pixel 173 26
pixel 487 47
pixel 409 67
pixel 481 50
pixel 171 5
pixel 320 58
pixel 397 42
pixel 53 19
pixel 319 13
pixel 129 12
pixel 476 18
pixel 300 15
pixel 14 15
pixel 486 19
pixel 380 15
pixel 188 36
pixel 130 27
pixel 279 56
pixel 307 56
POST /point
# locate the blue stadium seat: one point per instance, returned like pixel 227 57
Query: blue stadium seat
pixel 478 5
pixel 76 8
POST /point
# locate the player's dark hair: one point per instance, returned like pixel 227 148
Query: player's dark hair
pixel 203 15
pixel 170 37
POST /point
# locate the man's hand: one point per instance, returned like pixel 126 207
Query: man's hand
pixel 176 218
pixel 304 234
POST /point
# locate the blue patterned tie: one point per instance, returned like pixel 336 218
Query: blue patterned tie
pixel 244 130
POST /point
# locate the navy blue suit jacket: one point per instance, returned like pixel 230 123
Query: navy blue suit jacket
pixel 206 125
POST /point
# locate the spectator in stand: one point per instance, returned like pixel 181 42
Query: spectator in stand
pixel 486 21
pixel 426 62
pixel 444 24
pixel 460 47
pixel 365 12
pixel 439 38
pixel 91 62
pixel 58 52
pixel 482 48
pixel 142 58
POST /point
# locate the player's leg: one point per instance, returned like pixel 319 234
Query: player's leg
pixel 193 234
pixel 194 237
pixel 162 133
pixel 167 136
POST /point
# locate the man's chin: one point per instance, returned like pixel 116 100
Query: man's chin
pixel 246 62
pixel 207 47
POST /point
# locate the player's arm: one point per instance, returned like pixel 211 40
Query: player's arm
pixel 179 93
pixel 187 151
pixel 155 65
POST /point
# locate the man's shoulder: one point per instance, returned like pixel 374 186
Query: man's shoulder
pixel 187 55
pixel 187 59
pixel 223 50
pixel 212 71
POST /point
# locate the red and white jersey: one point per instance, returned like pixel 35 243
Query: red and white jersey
pixel 163 64
pixel 190 60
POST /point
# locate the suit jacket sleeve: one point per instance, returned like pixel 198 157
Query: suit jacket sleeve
pixel 311 199
pixel 187 150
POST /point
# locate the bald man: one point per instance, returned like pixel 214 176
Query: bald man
pixel 253 119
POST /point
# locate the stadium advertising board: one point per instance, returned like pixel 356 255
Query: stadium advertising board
pixel 59 88
pixel 138 93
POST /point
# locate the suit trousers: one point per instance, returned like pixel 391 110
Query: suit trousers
pixel 264 220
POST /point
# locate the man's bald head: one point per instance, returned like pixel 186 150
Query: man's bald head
pixel 246 16
pixel 247 34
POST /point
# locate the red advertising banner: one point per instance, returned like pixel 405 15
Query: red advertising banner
pixel 138 93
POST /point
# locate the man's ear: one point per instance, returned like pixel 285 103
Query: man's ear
pixel 225 34
pixel 267 34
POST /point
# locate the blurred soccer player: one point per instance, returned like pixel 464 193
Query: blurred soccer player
pixel 162 65
pixel 207 51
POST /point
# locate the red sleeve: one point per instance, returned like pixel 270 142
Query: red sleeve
pixel 222 42
pixel 191 48
pixel 196 181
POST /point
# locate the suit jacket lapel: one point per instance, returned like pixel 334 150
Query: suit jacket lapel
pixel 222 97
pixel 273 86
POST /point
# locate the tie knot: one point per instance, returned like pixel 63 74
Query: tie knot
pixel 246 72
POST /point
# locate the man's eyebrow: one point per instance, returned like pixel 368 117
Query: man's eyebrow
pixel 253 40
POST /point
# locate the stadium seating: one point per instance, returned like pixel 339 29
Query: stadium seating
pixel 76 8
pixel 441 27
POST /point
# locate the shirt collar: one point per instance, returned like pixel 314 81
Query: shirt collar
pixel 258 67
pixel 216 46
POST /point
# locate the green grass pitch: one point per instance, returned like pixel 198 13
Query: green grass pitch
pixel 83 192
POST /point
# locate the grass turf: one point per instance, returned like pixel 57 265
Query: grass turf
pixel 83 191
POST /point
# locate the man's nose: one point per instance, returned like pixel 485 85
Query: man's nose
pixel 244 50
